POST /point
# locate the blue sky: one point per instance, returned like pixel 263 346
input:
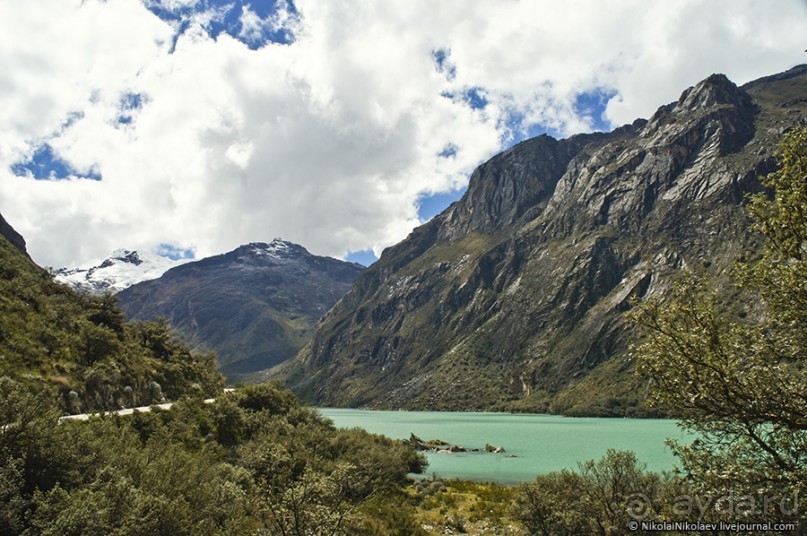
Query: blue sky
pixel 174 253
pixel 228 16
pixel 44 164
pixel 189 127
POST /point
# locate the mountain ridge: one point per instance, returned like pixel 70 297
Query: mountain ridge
pixel 255 306
pixel 514 297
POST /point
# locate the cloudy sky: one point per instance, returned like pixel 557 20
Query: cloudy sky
pixel 188 127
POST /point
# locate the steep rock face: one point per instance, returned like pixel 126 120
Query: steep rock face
pixel 15 238
pixel 254 306
pixel 514 297
pixel 509 185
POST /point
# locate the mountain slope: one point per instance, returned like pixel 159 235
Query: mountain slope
pixel 121 270
pixel 255 306
pixel 80 346
pixel 514 297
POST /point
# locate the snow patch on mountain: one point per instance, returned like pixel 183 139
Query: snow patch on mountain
pixel 121 270
pixel 278 245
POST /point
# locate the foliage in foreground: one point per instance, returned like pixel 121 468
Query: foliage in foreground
pixel 740 384
pixel 601 498
pixel 252 462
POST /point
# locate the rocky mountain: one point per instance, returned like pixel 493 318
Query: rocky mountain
pixel 255 306
pixel 121 270
pixel 515 296
pixel 13 237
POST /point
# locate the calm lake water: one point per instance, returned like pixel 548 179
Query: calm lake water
pixel 541 443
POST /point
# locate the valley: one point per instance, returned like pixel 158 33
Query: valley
pixel 657 270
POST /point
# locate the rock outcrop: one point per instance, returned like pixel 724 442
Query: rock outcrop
pixel 10 234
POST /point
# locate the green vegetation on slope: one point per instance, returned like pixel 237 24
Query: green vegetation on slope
pixel 253 462
pixel 81 345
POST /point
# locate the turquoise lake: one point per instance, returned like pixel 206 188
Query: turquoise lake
pixel 540 443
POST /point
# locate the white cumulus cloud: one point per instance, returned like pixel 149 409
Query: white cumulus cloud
pixel 328 141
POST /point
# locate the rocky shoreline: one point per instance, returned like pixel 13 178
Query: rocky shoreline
pixel 444 447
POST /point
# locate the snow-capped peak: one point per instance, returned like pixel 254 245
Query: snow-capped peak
pixel 276 248
pixel 122 269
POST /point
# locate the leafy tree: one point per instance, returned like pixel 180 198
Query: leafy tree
pixel 266 398
pixel 313 479
pixel 314 503
pixel 12 501
pixel 740 385
pixel 103 311
pixel 30 438
pixel 599 499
